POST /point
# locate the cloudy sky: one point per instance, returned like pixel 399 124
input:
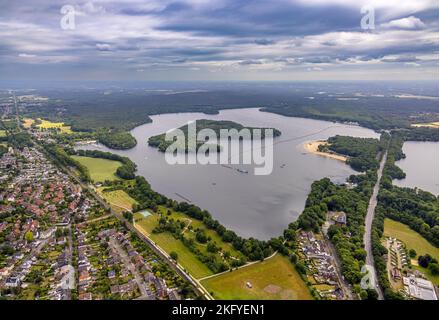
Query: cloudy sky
pixel 218 40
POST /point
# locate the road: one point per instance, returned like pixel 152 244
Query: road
pixel 167 259
pixel 368 232
pixel 127 262
pixel 345 286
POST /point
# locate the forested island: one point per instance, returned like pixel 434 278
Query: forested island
pixel 159 141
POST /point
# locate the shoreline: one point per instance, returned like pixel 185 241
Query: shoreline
pixel 313 147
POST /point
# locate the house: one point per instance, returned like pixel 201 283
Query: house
pixel 173 295
pixel 419 288
pixel 341 219
pixel 111 274
pixel 85 296
pixel 12 282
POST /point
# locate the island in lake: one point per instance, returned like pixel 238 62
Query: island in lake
pixel 159 141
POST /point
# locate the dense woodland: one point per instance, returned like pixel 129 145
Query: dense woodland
pixel 116 140
pixel 118 111
pixel 159 141
pixel 362 152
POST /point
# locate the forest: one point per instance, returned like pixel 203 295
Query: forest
pixel 159 141
pixel 119 140
pixel 362 152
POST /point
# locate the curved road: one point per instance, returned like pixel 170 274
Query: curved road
pixel 368 232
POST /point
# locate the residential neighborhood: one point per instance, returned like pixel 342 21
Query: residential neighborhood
pixel 58 243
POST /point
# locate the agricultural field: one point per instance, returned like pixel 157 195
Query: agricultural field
pixel 434 125
pixel 168 243
pixel 118 199
pixel 45 124
pixel 27 122
pixel 100 169
pixel 2 133
pixel 412 240
pixel 272 279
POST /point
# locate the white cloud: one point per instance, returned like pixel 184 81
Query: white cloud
pixel 409 23
pixel 25 55
pixel 103 46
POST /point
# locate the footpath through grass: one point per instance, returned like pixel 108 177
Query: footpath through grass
pixel 273 279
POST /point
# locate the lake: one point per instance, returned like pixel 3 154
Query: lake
pixel 252 206
pixel 421 166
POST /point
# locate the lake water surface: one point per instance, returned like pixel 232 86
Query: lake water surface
pixel 252 206
pixel 421 166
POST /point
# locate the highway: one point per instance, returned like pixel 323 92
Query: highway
pixel 369 221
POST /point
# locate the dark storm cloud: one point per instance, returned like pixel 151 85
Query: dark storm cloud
pixel 217 35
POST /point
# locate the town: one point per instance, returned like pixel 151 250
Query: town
pixel 59 243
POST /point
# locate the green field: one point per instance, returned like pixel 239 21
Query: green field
pixel 119 199
pixel 168 243
pixel 412 240
pixel 100 169
pixel 2 133
pixel 273 279
pixel 196 224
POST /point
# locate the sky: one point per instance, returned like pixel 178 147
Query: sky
pixel 219 40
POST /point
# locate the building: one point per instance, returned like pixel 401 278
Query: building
pixel 419 288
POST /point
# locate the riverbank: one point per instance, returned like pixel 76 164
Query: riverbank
pixel 313 147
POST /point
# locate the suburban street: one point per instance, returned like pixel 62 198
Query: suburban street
pixel 126 260
pixel 368 232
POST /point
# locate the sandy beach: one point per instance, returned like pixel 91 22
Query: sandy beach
pixel 313 147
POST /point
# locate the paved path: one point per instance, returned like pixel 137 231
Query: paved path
pixel 368 232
